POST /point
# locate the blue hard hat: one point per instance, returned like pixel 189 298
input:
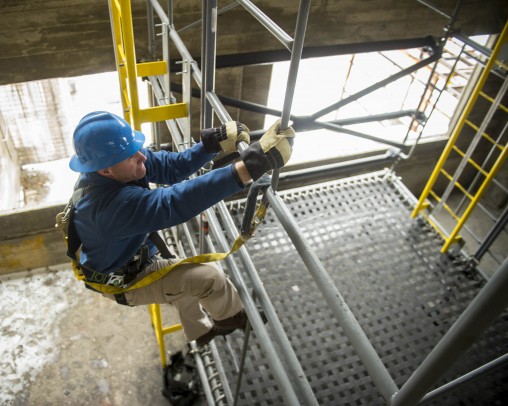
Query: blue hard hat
pixel 101 140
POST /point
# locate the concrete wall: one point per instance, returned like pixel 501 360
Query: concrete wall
pixel 29 239
pixel 41 39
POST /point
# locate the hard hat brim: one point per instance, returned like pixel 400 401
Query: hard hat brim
pixel 78 166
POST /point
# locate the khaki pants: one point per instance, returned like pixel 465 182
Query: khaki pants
pixel 191 288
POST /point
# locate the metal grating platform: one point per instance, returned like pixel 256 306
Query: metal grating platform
pixel 388 268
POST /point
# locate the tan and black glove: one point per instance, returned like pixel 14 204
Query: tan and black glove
pixel 225 137
pixel 272 151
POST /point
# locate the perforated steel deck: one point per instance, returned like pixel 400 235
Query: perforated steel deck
pixel 388 268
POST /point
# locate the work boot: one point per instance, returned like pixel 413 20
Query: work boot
pixel 224 327
pixel 211 334
pixel 239 320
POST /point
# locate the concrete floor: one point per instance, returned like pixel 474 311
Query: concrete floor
pixel 61 344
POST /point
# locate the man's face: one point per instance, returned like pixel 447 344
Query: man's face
pixel 133 168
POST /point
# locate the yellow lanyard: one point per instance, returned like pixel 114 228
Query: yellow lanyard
pixel 198 259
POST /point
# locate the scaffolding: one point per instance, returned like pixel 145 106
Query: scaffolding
pixel 285 366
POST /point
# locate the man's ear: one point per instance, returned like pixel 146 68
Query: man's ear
pixel 104 172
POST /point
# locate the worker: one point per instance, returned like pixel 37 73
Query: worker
pixel 118 212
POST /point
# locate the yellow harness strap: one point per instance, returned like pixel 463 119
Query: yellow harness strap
pixel 198 259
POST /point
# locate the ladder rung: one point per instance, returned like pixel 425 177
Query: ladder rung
pixel 471 161
pixel 485 135
pixel 490 99
pixel 151 68
pixel 446 207
pixel 162 113
pixel 457 184
pixel 172 328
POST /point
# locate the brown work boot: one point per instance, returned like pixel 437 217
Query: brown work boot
pixel 212 333
pixel 239 320
pixel 224 327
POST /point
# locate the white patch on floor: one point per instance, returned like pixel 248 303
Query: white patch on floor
pixel 32 305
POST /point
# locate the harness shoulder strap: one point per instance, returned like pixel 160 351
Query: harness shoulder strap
pixel 161 245
pixel 73 240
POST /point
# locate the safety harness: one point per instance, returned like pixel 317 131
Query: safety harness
pixel 119 281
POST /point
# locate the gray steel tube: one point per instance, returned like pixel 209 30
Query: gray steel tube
pixel 277 367
pixel 378 372
pixel 151 30
pixel 177 41
pixel 289 356
pixel 202 375
pixel 338 128
pixel 277 32
pixel 296 55
pixel 434 57
pixel 481 312
pixel 470 376
pixel 209 43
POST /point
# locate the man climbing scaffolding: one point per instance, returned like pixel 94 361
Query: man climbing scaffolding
pixel 115 215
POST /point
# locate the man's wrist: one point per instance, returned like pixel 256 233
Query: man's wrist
pixel 242 174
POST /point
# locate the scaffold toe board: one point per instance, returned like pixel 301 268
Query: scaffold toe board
pixel 389 269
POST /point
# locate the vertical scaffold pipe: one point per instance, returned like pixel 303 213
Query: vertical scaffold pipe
pixel 209 43
pixel 471 324
pixel 296 56
pixel 265 341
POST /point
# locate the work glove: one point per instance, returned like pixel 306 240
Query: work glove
pixel 272 151
pixel 225 137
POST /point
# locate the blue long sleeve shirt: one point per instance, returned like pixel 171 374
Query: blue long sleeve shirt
pixel 113 219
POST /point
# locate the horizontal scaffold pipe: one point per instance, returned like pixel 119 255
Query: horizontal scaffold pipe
pixel 299 123
pixel 283 55
pixel 333 171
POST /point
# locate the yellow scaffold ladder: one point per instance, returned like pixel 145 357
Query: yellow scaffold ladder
pixel 467 133
pixel 128 71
